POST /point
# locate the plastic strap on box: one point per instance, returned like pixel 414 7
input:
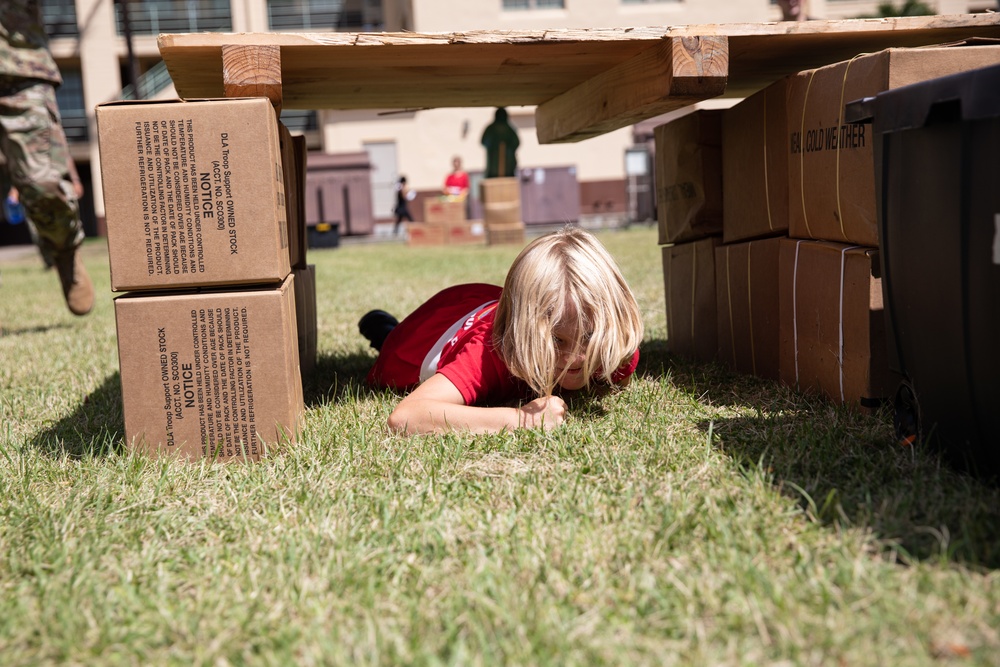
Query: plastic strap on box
pixel 729 298
pixel 802 173
pixel 767 180
pixel 795 316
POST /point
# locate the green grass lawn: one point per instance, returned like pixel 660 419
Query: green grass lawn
pixel 697 518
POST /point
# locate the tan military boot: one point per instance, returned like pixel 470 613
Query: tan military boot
pixel 76 285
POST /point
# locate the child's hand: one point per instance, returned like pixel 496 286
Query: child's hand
pixel 547 412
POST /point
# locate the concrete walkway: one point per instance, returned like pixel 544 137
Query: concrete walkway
pixel 12 252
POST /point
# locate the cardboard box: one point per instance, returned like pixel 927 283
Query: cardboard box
pixel 505 233
pixel 302 160
pixel 688 175
pixel 832 322
pixel 422 234
pixel 832 173
pixel 305 317
pixel 501 189
pixel 502 213
pixel 193 193
pixel 746 288
pixel 689 287
pixel 293 168
pixel 444 210
pixel 755 165
pixel 465 233
pixel 213 374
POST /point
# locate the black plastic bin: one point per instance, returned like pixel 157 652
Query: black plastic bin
pixel 937 169
pixel 324 235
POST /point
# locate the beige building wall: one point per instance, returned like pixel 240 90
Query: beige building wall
pixel 450 16
pixel 427 140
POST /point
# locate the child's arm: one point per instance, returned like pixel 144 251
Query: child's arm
pixel 437 406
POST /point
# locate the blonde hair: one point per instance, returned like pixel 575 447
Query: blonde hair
pixel 566 267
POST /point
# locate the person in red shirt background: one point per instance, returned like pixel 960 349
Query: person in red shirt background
pixel 457 182
pixel 565 320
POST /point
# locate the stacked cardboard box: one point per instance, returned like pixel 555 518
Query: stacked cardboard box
pixel 755 216
pixel 199 237
pixel 832 322
pixel 689 205
pixel 755 166
pixel 746 283
pixel 445 223
pixel 293 162
pixel 831 163
pixel 421 234
pixel 501 199
pixel 689 286
pixel 444 210
pixel 688 177
pixel 797 280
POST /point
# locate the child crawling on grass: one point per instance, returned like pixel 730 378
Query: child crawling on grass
pixel 565 320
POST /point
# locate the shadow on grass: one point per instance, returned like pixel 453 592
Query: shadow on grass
pixel 848 469
pixel 95 428
pixel 336 376
pixel 709 382
pixel 845 467
pixel 4 333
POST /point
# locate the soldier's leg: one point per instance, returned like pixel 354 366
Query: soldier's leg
pixel 5 188
pixel 35 147
pixel 37 155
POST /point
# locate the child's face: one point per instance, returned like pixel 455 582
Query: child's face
pixel 570 345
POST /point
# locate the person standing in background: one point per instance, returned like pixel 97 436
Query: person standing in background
pixel 501 142
pixel 34 146
pixel 457 182
pixel 404 195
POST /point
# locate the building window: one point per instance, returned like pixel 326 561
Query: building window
pixel 350 15
pixel 151 17
pixel 73 112
pixel 60 18
pixel 533 4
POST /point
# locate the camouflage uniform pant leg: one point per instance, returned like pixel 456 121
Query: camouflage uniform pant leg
pixel 37 162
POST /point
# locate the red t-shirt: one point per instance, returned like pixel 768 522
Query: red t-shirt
pixel 452 334
pixel 456 183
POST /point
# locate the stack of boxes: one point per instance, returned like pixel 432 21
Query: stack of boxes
pixel 445 223
pixel 785 283
pixel 501 198
pixel 218 323
pixel 689 211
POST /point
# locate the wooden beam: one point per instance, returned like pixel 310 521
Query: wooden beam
pixel 252 71
pixel 672 74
